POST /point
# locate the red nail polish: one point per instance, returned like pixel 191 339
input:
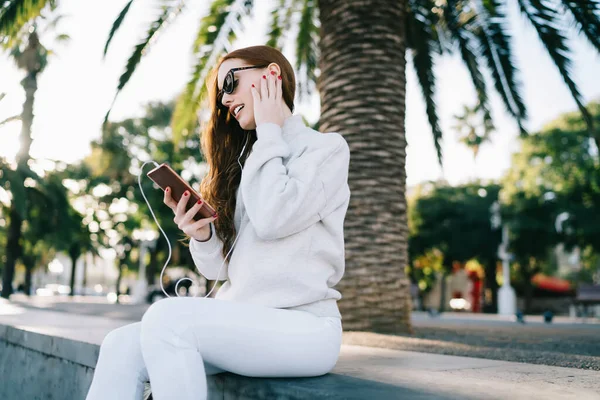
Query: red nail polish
pixel 185 193
pixel 279 77
pixel 215 215
pixel 253 85
pixel 272 72
pixel 167 189
pixel 199 201
pixel 264 77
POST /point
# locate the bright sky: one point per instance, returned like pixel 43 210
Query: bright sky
pixel 78 86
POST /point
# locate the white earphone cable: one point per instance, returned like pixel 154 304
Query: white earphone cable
pixel 167 239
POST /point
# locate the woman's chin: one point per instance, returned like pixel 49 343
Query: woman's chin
pixel 247 125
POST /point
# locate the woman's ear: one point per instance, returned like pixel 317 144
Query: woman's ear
pixel 273 67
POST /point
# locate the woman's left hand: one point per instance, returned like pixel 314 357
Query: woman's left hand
pixel 268 103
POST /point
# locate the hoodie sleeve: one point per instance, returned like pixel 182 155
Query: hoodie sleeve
pixel 208 257
pixel 283 200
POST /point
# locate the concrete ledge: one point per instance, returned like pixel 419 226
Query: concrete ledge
pixel 52 355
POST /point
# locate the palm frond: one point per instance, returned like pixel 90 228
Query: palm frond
pixel 545 19
pixel 116 25
pixel 10 119
pixel 460 25
pixel 15 14
pixel 213 37
pixel 307 49
pixel 494 45
pixel 587 16
pixel 420 23
pixel 62 38
pixel 281 17
pixel 167 15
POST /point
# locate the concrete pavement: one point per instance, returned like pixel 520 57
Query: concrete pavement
pixel 405 374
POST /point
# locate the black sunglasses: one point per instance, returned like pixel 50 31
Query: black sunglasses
pixel 229 83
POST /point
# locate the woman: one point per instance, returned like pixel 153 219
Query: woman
pixel 276 315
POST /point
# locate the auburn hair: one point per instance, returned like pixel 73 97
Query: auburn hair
pixel 223 138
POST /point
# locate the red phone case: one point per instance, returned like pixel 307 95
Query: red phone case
pixel 164 176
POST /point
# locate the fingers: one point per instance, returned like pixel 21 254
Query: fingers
pixel 279 90
pixel 168 200
pixel 190 214
pixel 272 85
pixel 180 209
pixel 201 223
pixel 255 94
pixel 264 90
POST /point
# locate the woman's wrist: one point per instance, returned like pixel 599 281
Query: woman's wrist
pixel 204 239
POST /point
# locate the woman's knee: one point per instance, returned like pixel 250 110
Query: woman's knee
pixel 122 341
pixel 162 313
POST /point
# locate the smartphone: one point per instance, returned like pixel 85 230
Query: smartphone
pixel 164 176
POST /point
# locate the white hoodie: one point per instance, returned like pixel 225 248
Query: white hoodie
pixel 290 210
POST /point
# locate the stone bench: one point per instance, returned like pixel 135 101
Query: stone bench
pixel 51 355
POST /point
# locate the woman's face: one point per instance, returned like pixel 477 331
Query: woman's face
pixel 241 96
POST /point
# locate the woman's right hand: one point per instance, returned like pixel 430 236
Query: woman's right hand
pixel 199 230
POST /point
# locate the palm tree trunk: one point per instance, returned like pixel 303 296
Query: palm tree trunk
pixel 362 50
pixel 119 278
pixel 29 266
pixel 85 267
pixel 13 251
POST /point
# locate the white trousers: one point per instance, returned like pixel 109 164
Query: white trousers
pixel 182 340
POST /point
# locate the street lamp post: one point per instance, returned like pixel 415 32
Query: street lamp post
pixel 507 299
pixel 147 239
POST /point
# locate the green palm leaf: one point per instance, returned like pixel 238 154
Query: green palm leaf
pixel 168 13
pixel 460 24
pixel 281 17
pixel 205 52
pixel 587 16
pixel 307 48
pixel 545 20
pixel 420 24
pixel 494 42
pixel 117 24
pixel 14 14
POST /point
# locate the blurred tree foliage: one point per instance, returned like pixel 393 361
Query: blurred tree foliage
pixel 110 184
pixel 452 224
pixel 551 195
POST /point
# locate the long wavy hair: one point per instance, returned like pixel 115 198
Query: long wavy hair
pixel 223 138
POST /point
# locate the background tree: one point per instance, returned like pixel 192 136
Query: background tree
pixel 113 169
pixel 21 24
pixel 551 193
pixel 472 131
pixel 456 222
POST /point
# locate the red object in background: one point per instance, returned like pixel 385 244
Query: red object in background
pixel 475 291
pixel 551 283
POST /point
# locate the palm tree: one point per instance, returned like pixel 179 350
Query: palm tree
pixel 20 31
pixel 472 131
pixel 359 47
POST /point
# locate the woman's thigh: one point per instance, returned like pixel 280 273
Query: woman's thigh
pixel 249 339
